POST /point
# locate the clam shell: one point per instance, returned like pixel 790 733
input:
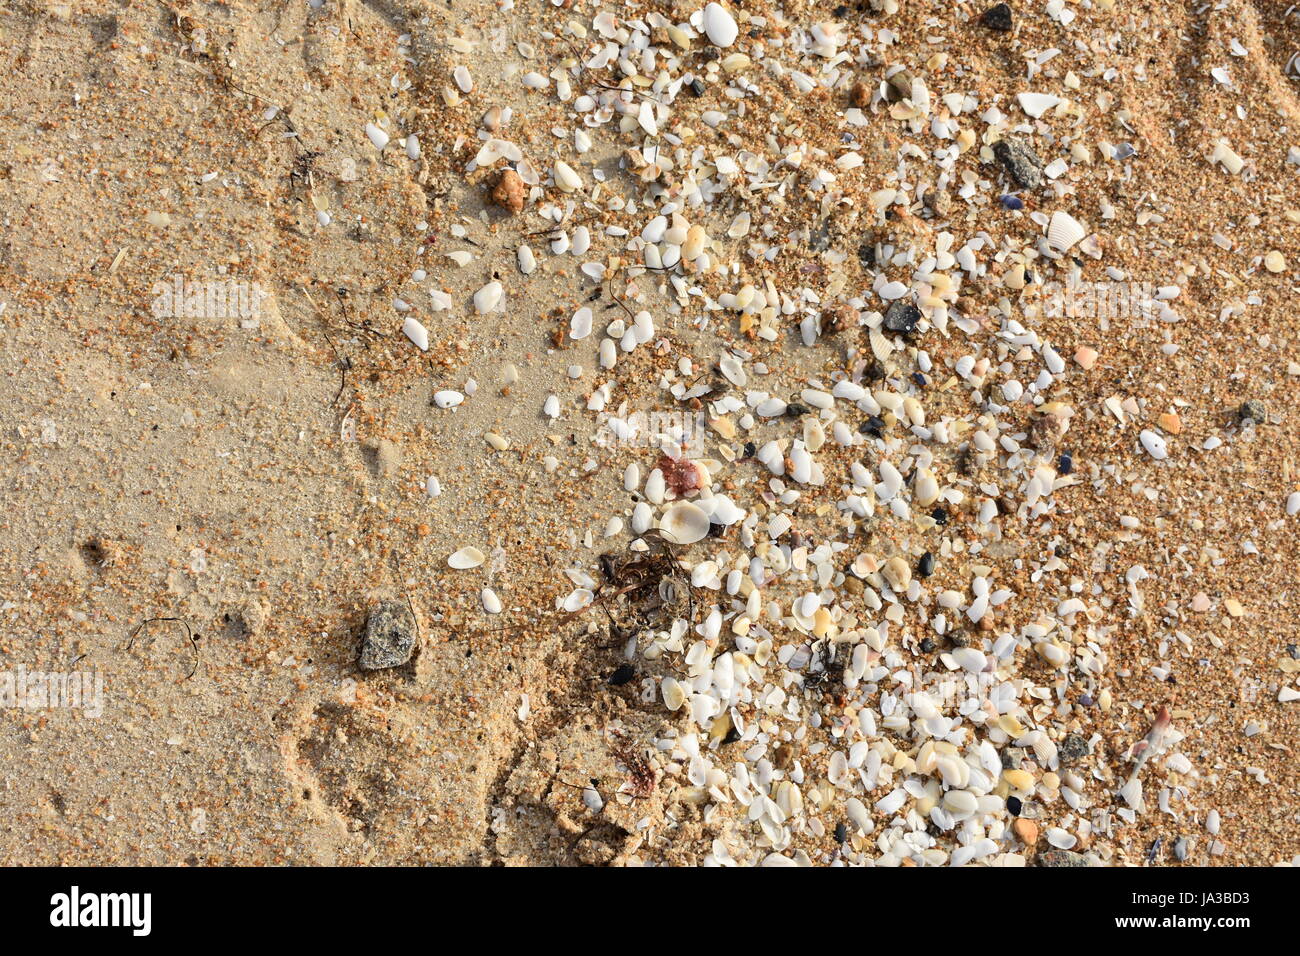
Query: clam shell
pixel 1064 231
pixel 466 558
pixel 685 523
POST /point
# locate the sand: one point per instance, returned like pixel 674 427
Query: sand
pixel 265 485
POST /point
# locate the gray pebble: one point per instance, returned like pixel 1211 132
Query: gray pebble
pixel 1253 410
pixel 389 638
pixel 1020 161
pixel 1072 749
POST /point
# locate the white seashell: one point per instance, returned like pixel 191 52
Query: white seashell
pixel 413 146
pixel 577 600
pixel 491 603
pixel 488 298
pixel 417 333
pixel 1064 231
pixel 527 261
pixel 1036 104
pixel 566 178
pixel 685 523
pixel 447 398
pixel 377 136
pixel 1155 445
pixel 580 324
pixel 466 558
pixel 719 25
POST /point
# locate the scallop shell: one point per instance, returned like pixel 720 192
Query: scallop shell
pixel 684 523
pixel 1064 231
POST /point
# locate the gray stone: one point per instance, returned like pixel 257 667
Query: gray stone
pixel 1072 749
pixel 1253 410
pixel 1020 161
pixel 1062 858
pixel 389 638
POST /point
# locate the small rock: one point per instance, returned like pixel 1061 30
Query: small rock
pixel 1020 161
pixel 1026 831
pixel 998 18
pixel 1062 858
pixel 860 95
pixel 1253 410
pixel 837 318
pixel 901 317
pixel 1072 749
pixel 389 638
pixel 509 191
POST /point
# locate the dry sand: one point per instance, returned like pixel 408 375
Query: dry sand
pixel 191 468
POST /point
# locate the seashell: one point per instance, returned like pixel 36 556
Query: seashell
pixel 719 25
pixel 488 298
pixel 377 136
pixel 1064 231
pixel 684 523
pixel 466 558
pixel 566 178
pixel 417 333
pixel 1036 104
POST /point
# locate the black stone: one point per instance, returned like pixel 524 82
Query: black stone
pixel 795 410
pixel 901 317
pixel 925 567
pixel 874 426
pixel 1066 464
pixel 697 86
pixel 1014 806
pixel 940 516
pixel 998 18
pixel 622 675
pixel 927 646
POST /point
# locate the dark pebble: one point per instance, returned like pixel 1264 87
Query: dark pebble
pixel 901 317
pixel 841 833
pixel 795 410
pixel 1013 806
pixel 925 567
pixel 750 448
pixel 697 86
pixel 874 426
pixel 1061 858
pixel 1065 465
pixel 622 675
pixel 1013 202
pixel 1020 161
pixel 389 638
pixel 1253 411
pixel 927 646
pixel 1072 749
pixel 998 18
pixel 940 516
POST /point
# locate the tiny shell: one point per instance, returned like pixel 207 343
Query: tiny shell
pixel 417 333
pixel 377 136
pixel 465 558
pixel 488 298
pixel 1064 231
pixel 719 25
pixel 685 523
